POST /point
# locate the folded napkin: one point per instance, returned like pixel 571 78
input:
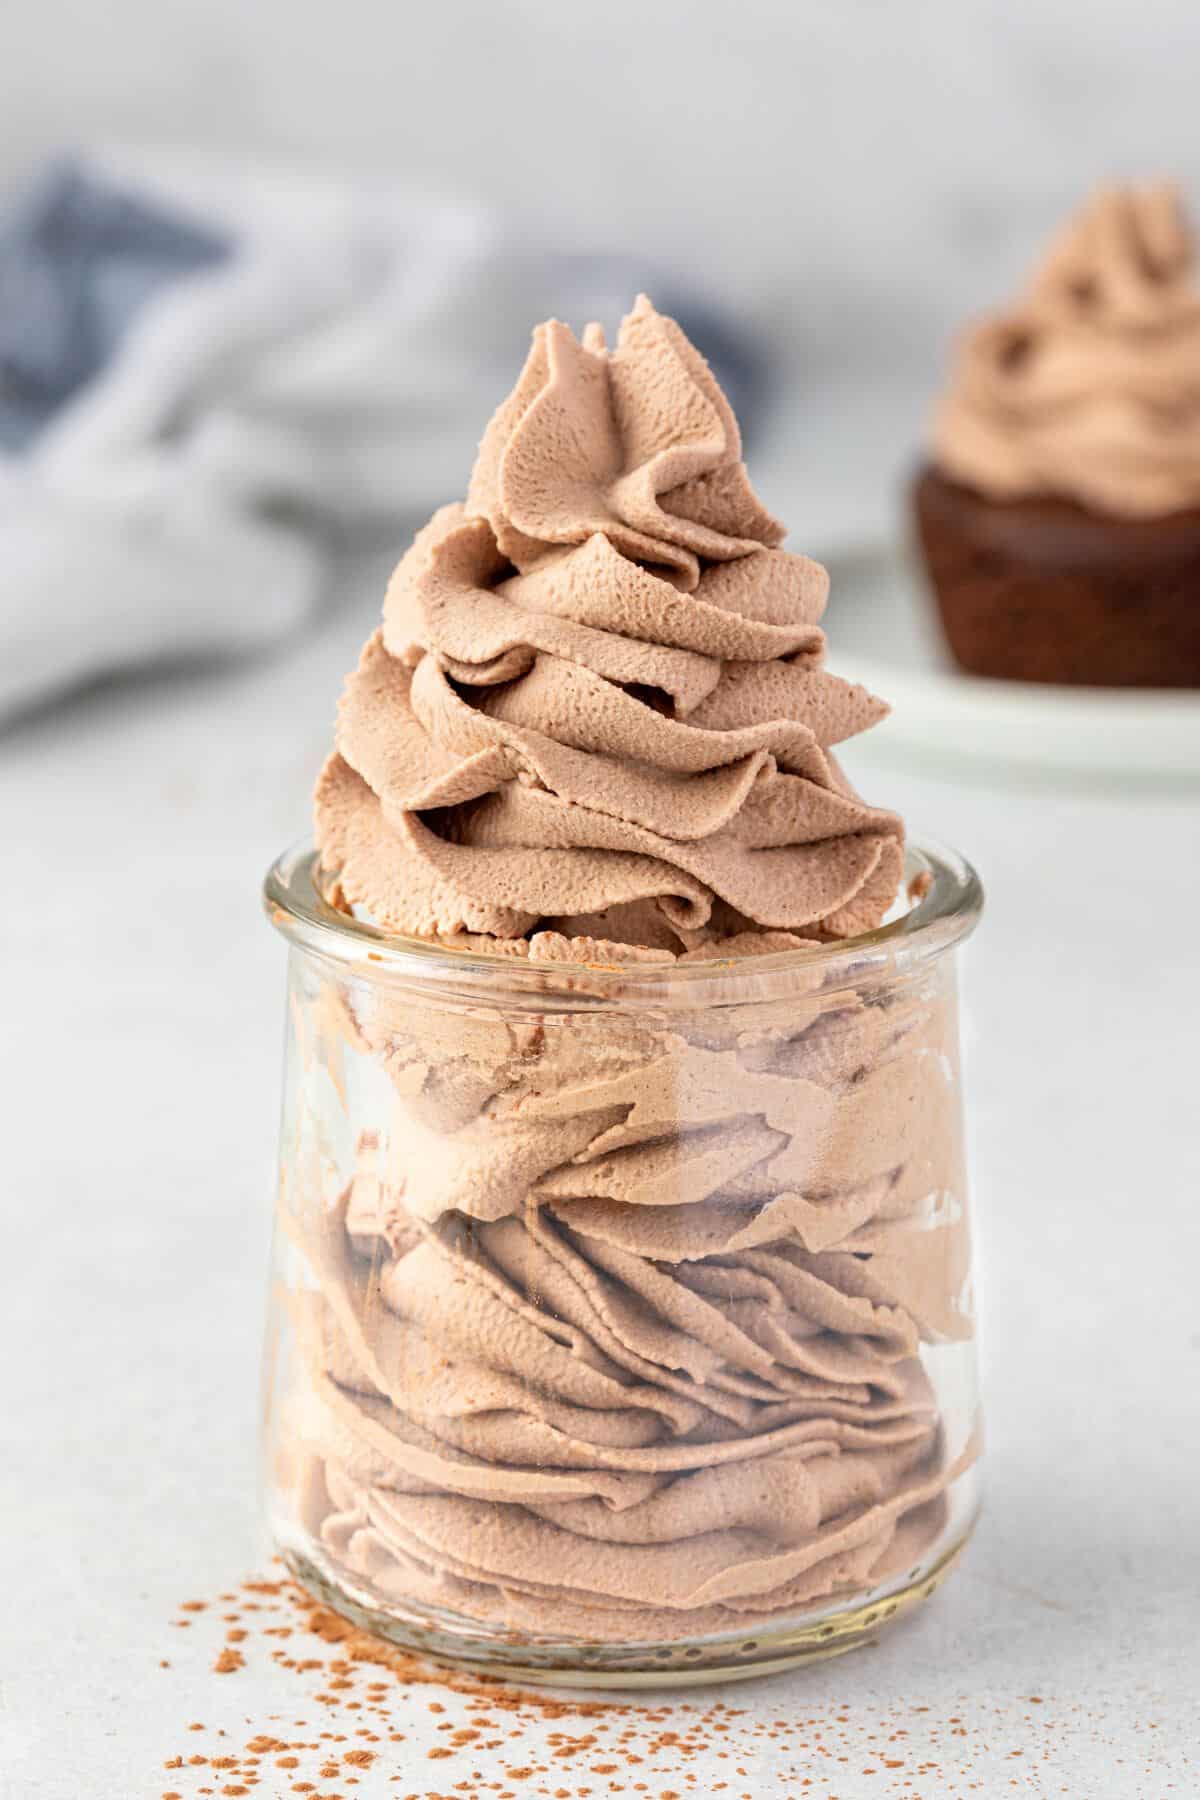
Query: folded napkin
pixel 211 377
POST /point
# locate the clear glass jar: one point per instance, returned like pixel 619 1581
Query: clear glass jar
pixel 621 1326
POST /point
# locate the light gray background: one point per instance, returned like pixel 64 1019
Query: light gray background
pixel 840 163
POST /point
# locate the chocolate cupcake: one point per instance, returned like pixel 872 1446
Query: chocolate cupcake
pixel 1059 513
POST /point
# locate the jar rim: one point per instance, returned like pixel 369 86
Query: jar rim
pixel 946 903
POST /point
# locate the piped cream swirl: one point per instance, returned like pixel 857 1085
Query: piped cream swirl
pixel 1089 388
pixel 618 1331
pixel 597 706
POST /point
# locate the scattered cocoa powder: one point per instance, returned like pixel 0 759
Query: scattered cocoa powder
pixel 345 1695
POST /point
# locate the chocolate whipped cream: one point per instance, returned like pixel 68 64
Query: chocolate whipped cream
pixel 597 706
pixel 615 1332
pixel 1089 388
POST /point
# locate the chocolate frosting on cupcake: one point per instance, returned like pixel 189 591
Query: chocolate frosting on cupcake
pixel 1089 388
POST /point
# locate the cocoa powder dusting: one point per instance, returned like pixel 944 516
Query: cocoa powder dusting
pixel 350 1711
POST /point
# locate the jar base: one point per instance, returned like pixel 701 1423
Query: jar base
pixel 733 1656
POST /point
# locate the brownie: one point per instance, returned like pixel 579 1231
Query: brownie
pixel 1044 590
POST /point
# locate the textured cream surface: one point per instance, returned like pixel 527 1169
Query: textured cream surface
pixel 616 1327
pixel 598 702
pixel 1089 387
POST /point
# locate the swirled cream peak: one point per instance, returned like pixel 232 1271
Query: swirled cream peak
pixel 1089 388
pixel 597 711
pixel 641 445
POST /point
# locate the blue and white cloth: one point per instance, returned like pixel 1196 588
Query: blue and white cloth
pixel 210 376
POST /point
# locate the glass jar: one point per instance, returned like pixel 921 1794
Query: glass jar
pixel 621 1326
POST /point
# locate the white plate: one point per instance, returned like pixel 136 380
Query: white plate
pixel 883 632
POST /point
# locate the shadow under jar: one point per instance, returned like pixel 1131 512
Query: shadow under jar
pixel 621 1328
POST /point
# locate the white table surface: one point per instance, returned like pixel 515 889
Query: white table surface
pixel 144 1004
